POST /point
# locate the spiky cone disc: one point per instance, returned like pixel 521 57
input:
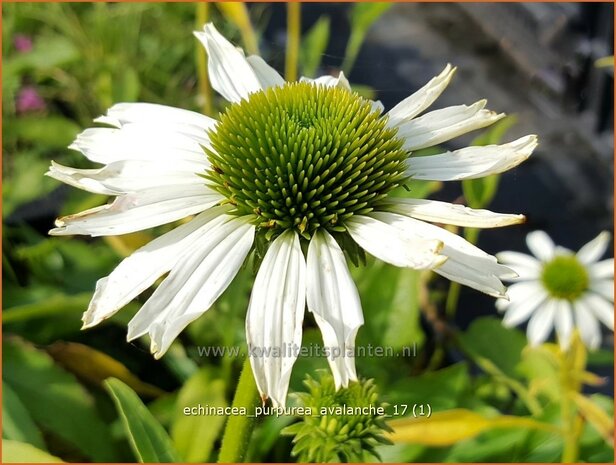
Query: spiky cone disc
pixel 304 156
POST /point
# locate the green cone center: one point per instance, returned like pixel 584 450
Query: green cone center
pixel 304 156
pixel 565 277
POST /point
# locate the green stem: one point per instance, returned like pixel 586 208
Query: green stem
pixel 239 428
pixel 572 422
pixel 205 89
pixel 293 34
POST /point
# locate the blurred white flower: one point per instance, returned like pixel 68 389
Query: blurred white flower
pixel 560 289
pixel 300 173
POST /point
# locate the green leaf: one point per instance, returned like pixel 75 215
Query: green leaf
pixel 453 385
pixel 385 287
pixel 449 427
pixel 147 437
pixel 21 452
pixel 313 46
pixel 480 336
pixel 362 17
pixel 126 85
pixel 50 131
pixel 47 53
pixel 194 435
pixel 17 424
pixel 50 392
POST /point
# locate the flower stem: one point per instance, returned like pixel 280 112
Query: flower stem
pixel 293 34
pixel 205 90
pixel 239 428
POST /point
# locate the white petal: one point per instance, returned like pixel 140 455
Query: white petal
pixel 540 244
pixel 524 301
pixel 564 322
pixel 411 106
pixel 195 282
pixel 188 122
pixel 138 211
pixel 141 269
pixel 525 266
pixel 603 287
pixel 595 249
pixel 449 213
pixel 330 81
pixel 267 76
pixel 122 177
pixel 587 324
pixel 540 325
pixel 602 309
pixel 333 298
pixel 602 269
pixel 466 263
pixel 377 106
pixel 471 162
pixel 230 73
pixel 275 315
pixel 137 142
pixel 442 125
pixel 392 245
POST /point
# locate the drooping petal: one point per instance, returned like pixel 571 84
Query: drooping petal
pixel 541 245
pixel 143 267
pixel 603 287
pixel 413 105
pixel 138 211
pixel 466 263
pixel 587 324
pixel 442 125
pixel 564 322
pixel 525 298
pixel 267 76
pixel 199 277
pixel 330 81
pixel 525 266
pixel 449 213
pixel 122 177
pixel 392 245
pixel 541 323
pixel 602 269
pixel 601 308
pixel 595 249
pixel 137 142
pixel 471 162
pixel 230 73
pixel 333 298
pixel 185 121
pixel 275 315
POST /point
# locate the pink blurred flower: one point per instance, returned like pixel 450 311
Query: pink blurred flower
pixel 22 43
pixel 29 100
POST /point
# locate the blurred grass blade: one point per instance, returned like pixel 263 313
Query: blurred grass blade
pixel 313 46
pixel 21 452
pixel 147 437
pixel 449 427
pixel 237 13
pixel 363 16
pixel 94 367
pixel 596 416
pixel 58 304
pixel 17 423
pixel 55 399
pixel 294 29
pixel 194 435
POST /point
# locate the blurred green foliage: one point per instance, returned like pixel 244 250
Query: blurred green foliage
pixel 90 396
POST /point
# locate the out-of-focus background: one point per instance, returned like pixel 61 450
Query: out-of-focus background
pixel 65 64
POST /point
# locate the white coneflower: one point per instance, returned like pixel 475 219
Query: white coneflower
pixel 560 289
pixel 299 172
